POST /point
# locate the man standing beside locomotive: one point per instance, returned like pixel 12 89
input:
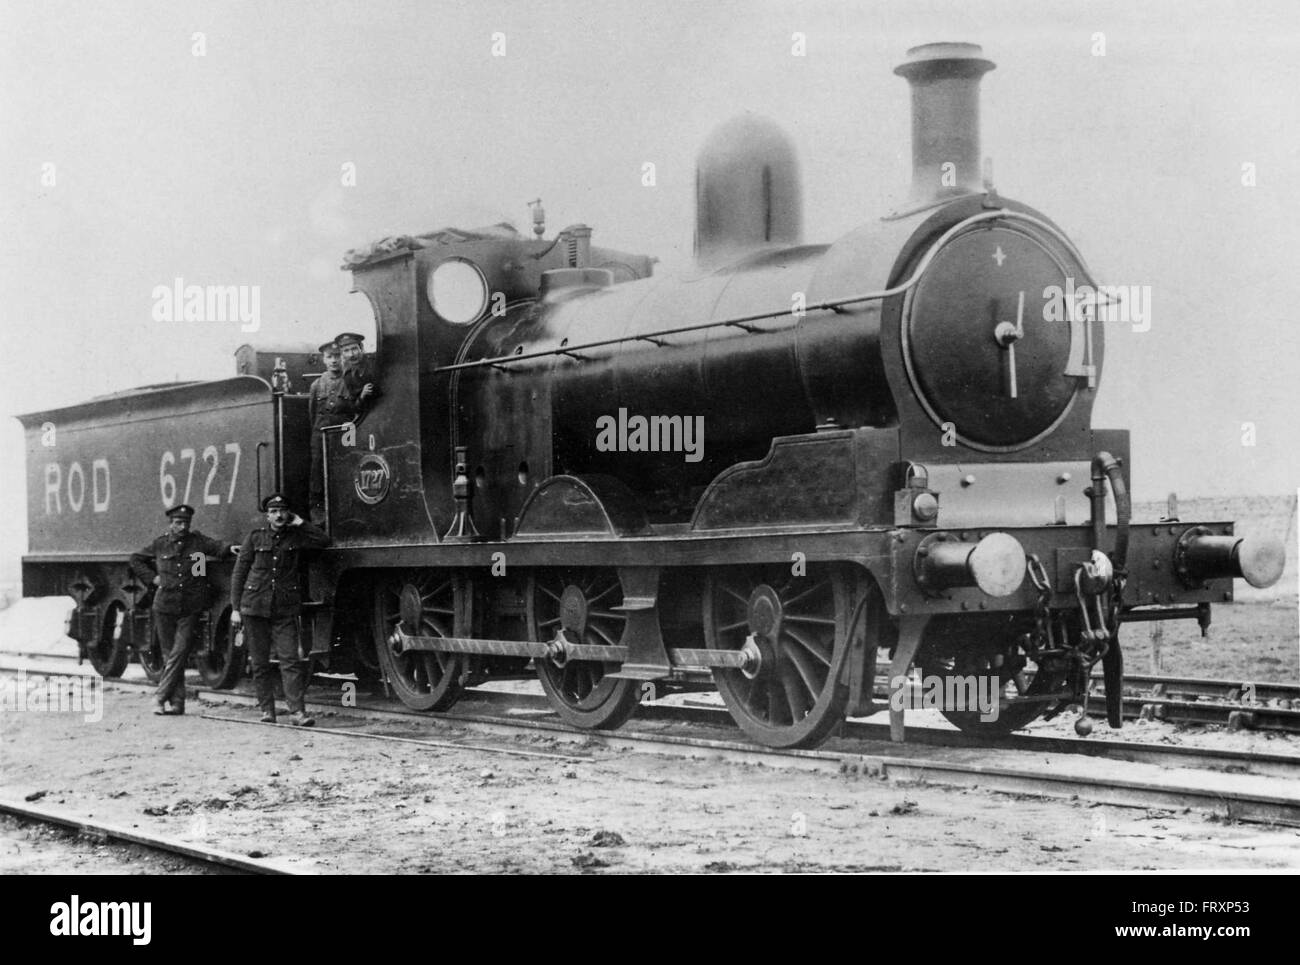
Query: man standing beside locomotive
pixel 266 598
pixel 176 563
pixel 326 406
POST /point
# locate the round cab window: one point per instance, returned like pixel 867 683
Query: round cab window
pixel 458 292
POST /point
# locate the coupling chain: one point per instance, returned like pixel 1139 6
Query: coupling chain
pixel 1042 613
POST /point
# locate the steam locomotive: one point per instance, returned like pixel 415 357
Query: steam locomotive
pixel 790 466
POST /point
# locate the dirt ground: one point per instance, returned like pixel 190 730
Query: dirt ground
pixel 332 804
pixel 1257 640
pixel 339 805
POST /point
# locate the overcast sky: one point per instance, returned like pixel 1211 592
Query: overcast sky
pixel 226 168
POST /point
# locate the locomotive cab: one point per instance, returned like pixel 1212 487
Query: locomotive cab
pixel 430 295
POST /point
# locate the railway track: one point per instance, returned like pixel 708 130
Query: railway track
pixel 104 832
pixel 1244 789
pixel 1236 704
pixel 1248 787
pixel 1230 690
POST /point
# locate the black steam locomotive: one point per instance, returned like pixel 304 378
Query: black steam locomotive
pixel 769 475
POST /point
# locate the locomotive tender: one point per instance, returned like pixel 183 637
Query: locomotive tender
pixel 768 475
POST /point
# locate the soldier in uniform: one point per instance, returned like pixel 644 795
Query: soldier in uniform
pixel 176 563
pixel 359 381
pixel 265 597
pixel 326 406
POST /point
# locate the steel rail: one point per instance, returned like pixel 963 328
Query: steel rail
pixel 421 741
pixel 1153 706
pixel 1235 716
pixel 1214 792
pixel 716 717
pixel 1157 685
pixel 103 831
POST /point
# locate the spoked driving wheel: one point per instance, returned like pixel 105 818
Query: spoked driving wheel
pixel 581 602
pixel 422 603
pixel 110 654
pixel 984 664
pixel 795 696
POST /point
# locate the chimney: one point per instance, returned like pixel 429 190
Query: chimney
pixel 945 81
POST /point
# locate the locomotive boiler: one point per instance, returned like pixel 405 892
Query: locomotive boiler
pixel 789 466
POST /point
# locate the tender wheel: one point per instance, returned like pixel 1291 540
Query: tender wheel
pixel 800 625
pixel 222 664
pixel 423 603
pixel 110 653
pixel 152 657
pixel 581 602
pixel 990 652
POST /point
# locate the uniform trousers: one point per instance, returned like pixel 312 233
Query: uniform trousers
pixel 175 637
pixel 262 635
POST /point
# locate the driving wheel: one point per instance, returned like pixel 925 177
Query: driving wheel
pixel 422 603
pixel 796 695
pixel 581 602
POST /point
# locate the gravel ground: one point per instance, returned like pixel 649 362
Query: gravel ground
pixel 334 804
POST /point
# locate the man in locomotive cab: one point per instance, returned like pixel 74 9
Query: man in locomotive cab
pixel 359 381
pixel 325 407
pixel 266 599
pixel 176 563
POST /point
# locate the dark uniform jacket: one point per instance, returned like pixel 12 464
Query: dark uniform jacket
pixel 354 380
pixel 268 576
pixel 327 403
pixel 172 558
